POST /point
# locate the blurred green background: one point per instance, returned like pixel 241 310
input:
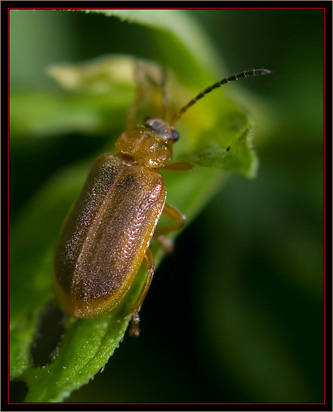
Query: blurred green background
pixel 235 314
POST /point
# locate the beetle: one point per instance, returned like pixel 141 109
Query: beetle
pixel 106 236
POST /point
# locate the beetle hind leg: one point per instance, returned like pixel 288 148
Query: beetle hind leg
pixel 148 261
pixel 179 219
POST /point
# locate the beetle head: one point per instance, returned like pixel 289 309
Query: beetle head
pixel 150 144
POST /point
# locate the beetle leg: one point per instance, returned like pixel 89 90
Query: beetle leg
pixel 148 261
pixel 179 219
pixel 167 243
pixel 164 99
pixel 139 80
pixel 179 166
pixel 150 90
pixel 131 121
pixel 172 213
pixel 159 81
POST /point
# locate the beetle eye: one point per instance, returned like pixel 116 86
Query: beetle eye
pixel 145 120
pixel 175 135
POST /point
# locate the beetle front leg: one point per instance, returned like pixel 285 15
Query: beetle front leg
pixel 179 166
pixel 150 87
pixel 148 261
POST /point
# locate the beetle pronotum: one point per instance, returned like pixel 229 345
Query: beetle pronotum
pixel 106 236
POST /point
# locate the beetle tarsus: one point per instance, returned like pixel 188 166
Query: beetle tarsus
pixel 167 243
pixel 135 328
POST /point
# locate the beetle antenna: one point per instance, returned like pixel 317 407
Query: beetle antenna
pixel 248 73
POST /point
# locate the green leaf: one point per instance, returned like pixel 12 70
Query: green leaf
pixel 40 115
pixel 215 135
pixel 239 157
pixel 184 39
pixel 84 350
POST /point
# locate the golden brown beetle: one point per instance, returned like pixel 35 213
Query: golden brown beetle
pixel 106 236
